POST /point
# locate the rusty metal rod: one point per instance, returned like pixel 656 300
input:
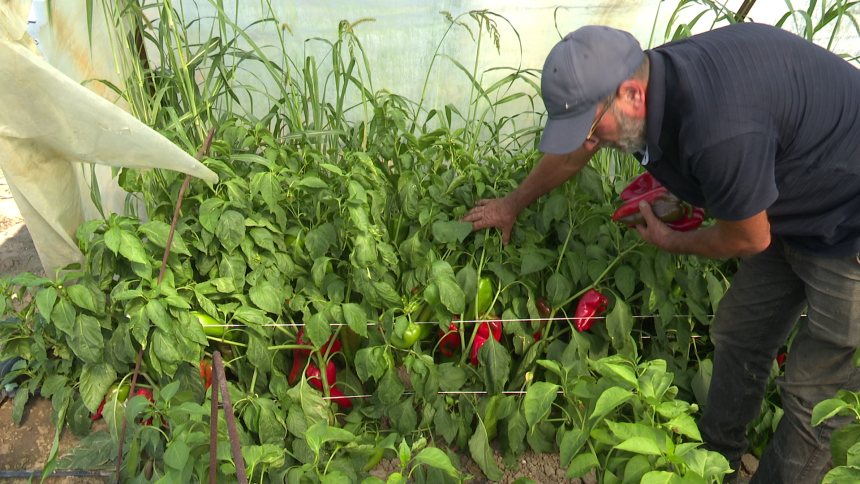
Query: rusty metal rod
pixel 203 150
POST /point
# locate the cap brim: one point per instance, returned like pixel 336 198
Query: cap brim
pixel 566 135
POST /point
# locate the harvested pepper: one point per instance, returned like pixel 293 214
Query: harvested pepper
pixel 494 326
pixel 688 222
pixel 643 184
pixel 315 379
pixel 333 343
pixel 666 207
pixel 591 305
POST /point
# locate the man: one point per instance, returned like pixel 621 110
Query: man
pixel 760 127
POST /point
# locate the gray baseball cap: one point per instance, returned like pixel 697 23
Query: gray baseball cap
pixel 580 71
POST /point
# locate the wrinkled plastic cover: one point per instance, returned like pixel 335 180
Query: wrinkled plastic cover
pixel 48 123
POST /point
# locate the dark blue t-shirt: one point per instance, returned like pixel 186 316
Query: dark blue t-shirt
pixel 749 118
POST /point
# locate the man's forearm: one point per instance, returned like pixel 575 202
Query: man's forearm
pixel 550 173
pixel 713 243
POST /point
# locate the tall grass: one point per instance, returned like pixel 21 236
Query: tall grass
pixel 182 86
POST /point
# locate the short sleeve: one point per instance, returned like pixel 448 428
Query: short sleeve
pixel 737 176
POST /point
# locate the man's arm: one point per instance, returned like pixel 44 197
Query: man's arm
pixel 724 240
pixel 551 172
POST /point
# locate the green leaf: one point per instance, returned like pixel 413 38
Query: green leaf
pixel 63 316
pixel 702 381
pixel 132 248
pixel 176 455
pixel 82 297
pixel 636 467
pixel 266 297
pixel 685 425
pixel 581 465
pixel 158 232
pixel 312 182
pixel 158 315
pixel 434 457
pixel 390 388
pixel 572 441
pixel 112 239
pixel 497 366
pixel 21 398
pixel 608 401
pixel 716 291
pixel 356 318
pixel 45 300
pixel 841 441
pixel 827 409
pixel 625 280
pixel 538 401
pixel 453 231
pixel 558 289
pixel 318 329
pixel 86 340
pixel 532 262
pixel 95 381
pixel 479 448
pixel 258 353
pixel 210 213
pixel 661 477
pixel 620 324
pixel 404 417
pixel 842 475
pixel 450 293
pixel 640 445
pixel 230 230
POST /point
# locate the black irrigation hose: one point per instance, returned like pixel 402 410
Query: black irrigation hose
pixel 29 474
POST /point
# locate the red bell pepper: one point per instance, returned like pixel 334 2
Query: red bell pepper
pixel 315 379
pixel 494 325
pixel 146 392
pixel 299 361
pixel 335 344
pixel 643 184
pixel 666 207
pixel 591 305
pixel 688 222
pixel 780 360
pixel 206 371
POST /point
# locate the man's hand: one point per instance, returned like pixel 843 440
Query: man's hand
pixel 726 239
pixel 496 212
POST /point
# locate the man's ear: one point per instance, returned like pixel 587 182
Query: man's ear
pixel 632 93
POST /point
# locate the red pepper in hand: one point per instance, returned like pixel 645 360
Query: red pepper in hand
pixel 146 392
pixel 315 379
pixel 688 222
pixel 333 343
pixel 591 305
pixel 643 184
pixel 494 325
pixel 666 207
pixel 206 371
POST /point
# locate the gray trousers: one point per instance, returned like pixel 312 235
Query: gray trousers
pixel 754 319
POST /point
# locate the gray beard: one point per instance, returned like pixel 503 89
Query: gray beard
pixel 632 133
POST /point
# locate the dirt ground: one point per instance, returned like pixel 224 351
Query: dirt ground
pixel 27 447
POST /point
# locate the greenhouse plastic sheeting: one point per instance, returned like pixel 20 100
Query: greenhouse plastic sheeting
pixel 49 122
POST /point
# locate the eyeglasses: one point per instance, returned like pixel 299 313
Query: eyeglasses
pixel 597 121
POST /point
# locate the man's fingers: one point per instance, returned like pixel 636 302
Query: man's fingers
pixel 647 213
pixel 506 236
pixel 482 201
